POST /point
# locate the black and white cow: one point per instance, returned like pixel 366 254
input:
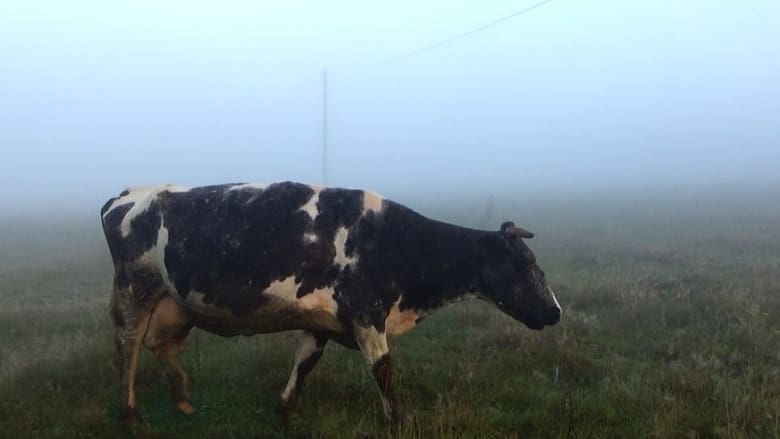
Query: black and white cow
pixel 339 264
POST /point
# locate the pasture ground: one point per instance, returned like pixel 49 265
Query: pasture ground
pixel 671 328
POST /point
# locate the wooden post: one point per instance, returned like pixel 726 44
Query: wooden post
pixel 325 127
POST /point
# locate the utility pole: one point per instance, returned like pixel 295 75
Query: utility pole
pixel 324 126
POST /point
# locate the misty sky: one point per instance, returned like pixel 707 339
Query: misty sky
pixel 96 96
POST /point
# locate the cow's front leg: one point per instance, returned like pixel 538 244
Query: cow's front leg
pixel 309 351
pixel 373 345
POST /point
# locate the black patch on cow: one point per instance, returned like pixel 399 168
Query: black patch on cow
pixel 307 364
pixel 231 245
pixel 111 228
pixel 382 369
pixel 143 231
pixel 121 278
pixel 399 252
pixel 107 205
pixel 125 251
pixel 147 282
pixel 337 208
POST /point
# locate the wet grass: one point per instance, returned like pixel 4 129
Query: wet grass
pixel 671 328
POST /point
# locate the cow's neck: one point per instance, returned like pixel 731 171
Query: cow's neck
pixel 443 262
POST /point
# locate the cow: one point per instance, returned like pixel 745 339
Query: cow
pixel 339 264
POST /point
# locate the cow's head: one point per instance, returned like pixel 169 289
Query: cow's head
pixel 513 281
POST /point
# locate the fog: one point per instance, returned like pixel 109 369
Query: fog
pixel 572 96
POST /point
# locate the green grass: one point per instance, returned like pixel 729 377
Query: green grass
pixel 671 328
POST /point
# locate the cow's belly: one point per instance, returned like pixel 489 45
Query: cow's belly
pixel 280 310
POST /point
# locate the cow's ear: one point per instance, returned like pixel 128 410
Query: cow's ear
pixel 510 229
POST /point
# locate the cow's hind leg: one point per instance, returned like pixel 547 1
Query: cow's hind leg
pixel 168 328
pixel 131 320
pixel 177 377
pixel 310 349
pixel 373 346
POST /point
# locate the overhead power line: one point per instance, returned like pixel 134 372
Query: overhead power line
pixel 468 33
pixel 404 56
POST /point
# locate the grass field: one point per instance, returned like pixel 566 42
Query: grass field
pixel 671 328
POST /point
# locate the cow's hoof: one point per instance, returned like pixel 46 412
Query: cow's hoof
pixel 400 419
pixel 185 407
pixel 130 415
pixel 285 410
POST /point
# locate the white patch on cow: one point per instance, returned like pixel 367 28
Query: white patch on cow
pixel 372 202
pixel 143 198
pixel 311 206
pixel 306 349
pixel 340 242
pixel 398 322
pixel 159 249
pixel 195 299
pixel 285 289
pixel 555 299
pixel 373 344
pixel 321 299
pixel 155 256
pixel 133 196
pixel 142 201
pixel 259 186
pixel 282 311
pixel 310 237
pixel 317 305
pixel 195 303
pixel 173 188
